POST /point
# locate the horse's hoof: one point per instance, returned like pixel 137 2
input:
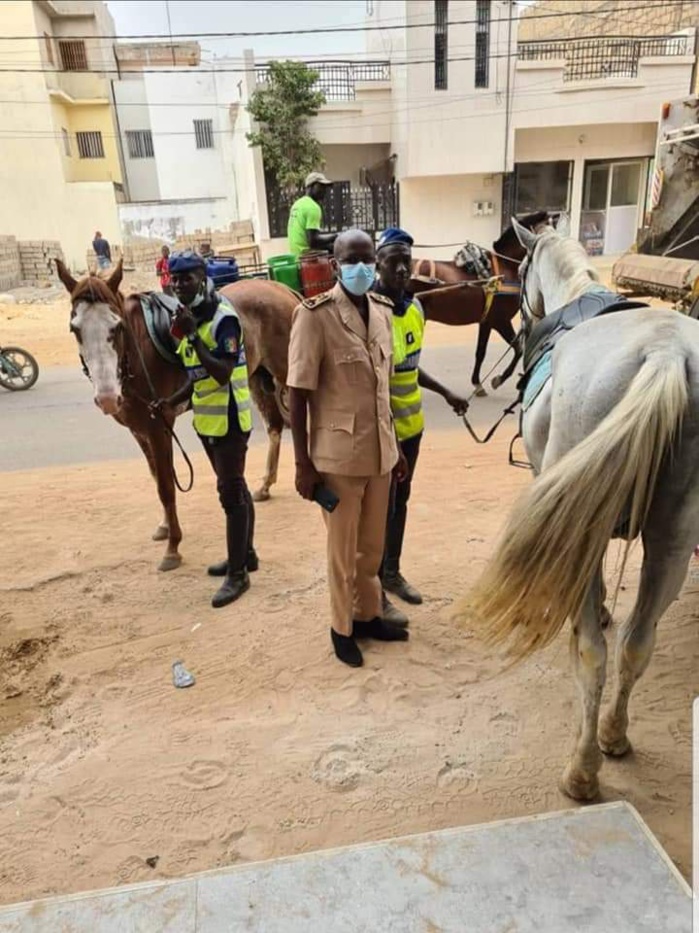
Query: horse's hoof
pixel 480 392
pixel 496 382
pixel 170 562
pixel 161 533
pixel 611 743
pixel 261 495
pixel 578 786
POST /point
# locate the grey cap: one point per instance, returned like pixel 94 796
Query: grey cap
pixel 316 178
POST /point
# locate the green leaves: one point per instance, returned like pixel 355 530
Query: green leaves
pixel 282 108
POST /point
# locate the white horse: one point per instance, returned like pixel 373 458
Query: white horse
pixel 614 441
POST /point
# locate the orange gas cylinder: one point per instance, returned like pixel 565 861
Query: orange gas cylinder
pixel 316 273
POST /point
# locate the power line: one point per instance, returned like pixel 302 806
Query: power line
pixel 319 30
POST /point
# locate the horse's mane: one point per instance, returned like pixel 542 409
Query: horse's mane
pixel 573 266
pixel 509 238
pixel 95 290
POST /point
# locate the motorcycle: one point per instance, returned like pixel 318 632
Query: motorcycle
pixel 18 369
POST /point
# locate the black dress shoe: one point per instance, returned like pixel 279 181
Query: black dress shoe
pixel 346 649
pixel 380 630
pixel 231 589
pixel 397 584
pixel 221 569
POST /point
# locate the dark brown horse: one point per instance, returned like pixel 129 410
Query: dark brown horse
pixel 127 372
pixel 467 305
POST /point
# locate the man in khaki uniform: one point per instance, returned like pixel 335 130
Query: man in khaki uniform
pixel 340 362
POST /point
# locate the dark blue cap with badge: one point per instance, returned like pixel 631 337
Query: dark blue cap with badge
pixel 185 260
pixel 393 235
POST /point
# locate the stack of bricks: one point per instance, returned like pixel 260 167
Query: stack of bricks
pixel 37 260
pixel 10 268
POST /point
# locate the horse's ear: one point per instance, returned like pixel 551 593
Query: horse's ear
pixel 525 237
pixel 114 280
pixel 65 276
pixel 563 225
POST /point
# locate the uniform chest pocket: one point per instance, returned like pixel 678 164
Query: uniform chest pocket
pixel 349 363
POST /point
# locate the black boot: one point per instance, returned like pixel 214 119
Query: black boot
pixel 231 589
pixel 237 580
pixel 380 630
pixel 221 569
pixel 394 582
pixel 346 649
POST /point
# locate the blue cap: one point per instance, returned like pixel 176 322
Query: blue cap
pixel 185 260
pixel 392 235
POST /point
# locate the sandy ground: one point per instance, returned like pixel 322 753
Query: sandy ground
pixel 278 748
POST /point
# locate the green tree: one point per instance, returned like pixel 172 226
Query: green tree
pixel 282 108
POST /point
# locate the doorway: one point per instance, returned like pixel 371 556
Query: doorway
pixel 613 198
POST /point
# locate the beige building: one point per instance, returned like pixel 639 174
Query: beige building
pixel 60 172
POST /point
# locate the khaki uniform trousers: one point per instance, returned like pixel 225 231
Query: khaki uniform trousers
pixel 356 538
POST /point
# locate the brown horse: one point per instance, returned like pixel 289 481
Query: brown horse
pixel 467 305
pixel 128 373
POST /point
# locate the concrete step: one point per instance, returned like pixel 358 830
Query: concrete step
pixel 593 870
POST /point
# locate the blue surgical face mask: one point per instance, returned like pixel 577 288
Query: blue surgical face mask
pixel 358 277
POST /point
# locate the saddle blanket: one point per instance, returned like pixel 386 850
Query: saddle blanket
pixel 538 377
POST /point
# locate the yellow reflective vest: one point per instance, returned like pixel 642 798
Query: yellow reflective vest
pixel 211 401
pixel 406 396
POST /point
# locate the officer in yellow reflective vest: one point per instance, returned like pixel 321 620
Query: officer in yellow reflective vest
pixel 393 266
pixel 212 351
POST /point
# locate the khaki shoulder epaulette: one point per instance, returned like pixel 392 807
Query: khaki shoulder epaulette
pixel 382 298
pixel 317 300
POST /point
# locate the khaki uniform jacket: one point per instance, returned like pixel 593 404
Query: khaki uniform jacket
pixel 347 368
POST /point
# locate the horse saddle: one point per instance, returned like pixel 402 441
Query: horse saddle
pixel 550 329
pixel 158 311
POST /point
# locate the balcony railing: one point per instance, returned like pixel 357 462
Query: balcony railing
pixel 604 56
pixel 338 80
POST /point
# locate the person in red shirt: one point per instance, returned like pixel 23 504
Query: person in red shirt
pixel 162 270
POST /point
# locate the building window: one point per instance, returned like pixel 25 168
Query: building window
pixel 73 55
pixel 140 143
pixel 441 13
pixel 204 134
pixel 49 49
pixel 543 186
pixel 66 142
pixel 90 145
pixel 482 42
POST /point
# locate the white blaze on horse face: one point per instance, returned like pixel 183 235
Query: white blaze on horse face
pixel 96 325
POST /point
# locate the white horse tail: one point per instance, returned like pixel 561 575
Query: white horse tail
pixel 556 536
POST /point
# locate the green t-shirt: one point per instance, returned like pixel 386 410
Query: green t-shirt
pixel 306 214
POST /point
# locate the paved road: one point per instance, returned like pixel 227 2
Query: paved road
pixel 57 422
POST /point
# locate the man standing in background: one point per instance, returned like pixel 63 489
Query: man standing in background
pixel 102 251
pixel 306 218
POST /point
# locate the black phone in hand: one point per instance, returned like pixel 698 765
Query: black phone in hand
pixel 325 498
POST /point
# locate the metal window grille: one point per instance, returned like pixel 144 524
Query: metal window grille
pixel 73 55
pixel 66 142
pixel 338 80
pixel 204 134
pixel 482 42
pixel 140 143
pixel 441 44
pixel 90 145
pixel 49 49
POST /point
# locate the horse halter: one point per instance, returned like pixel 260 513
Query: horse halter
pixel 90 298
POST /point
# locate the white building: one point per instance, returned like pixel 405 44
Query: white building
pixel 178 140
pixel 473 125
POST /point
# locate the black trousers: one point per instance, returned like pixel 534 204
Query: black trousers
pixel 227 456
pixel 398 508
